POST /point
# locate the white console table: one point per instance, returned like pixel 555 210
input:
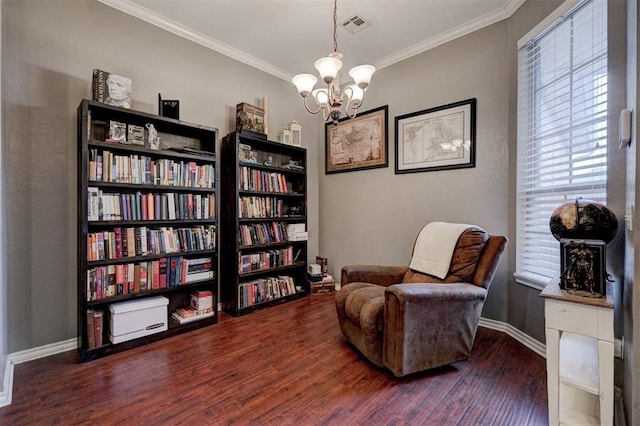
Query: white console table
pixel 579 332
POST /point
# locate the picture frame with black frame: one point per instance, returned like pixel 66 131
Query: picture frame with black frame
pixel 440 138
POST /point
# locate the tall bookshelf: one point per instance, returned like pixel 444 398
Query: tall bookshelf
pixel 147 222
pixel 263 228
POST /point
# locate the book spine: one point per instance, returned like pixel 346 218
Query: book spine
pixel 91 340
pixel 97 327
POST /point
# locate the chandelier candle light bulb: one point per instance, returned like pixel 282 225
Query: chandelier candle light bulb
pixel 331 100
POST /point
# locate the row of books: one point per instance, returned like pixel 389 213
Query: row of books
pixel 265 289
pixel 265 260
pixel 262 207
pixel 131 278
pixel 141 241
pixel 149 206
pixel 260 180
pixel 262 233
pixel 105 166
pixel 95 320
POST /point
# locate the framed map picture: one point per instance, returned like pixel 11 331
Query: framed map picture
pixel 357 143
pixel 440 138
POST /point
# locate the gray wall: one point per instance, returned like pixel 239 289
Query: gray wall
pixel 373 216
pixel 51 49
pixel 379 213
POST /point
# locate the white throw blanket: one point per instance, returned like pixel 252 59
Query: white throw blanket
pixel 434 247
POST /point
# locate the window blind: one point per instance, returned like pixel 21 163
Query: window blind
pixel 562 130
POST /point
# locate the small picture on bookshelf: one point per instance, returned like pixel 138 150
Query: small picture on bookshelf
pixel 135 134
pixel 244 152
pixel 117 132
pixel 111 89
pixel 171 108
pixel 322 261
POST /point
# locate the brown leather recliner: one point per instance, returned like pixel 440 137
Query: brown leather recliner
pixel 408 321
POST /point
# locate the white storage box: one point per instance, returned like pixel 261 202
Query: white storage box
pixel 299 236
pixel 137 318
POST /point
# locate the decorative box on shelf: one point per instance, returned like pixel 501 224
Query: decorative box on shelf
pixel 297 232
pixel 137 318
pixel 249 117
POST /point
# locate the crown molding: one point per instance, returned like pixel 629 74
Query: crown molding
pixel 483 21
pixel 144 14
pixel 180 30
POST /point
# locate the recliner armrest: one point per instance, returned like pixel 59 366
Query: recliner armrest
pixel 429 293
pixel 429 325
pixel 374 274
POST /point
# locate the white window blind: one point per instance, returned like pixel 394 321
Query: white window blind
pixel 562 130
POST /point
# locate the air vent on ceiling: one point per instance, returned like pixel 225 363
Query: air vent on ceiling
pixel 355 24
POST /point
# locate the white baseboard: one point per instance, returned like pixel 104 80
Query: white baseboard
pixel 7 385
pixel 510 330
pixel 29 355
pixel 43 351
pixel 71 344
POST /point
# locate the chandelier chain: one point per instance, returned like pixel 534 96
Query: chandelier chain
pixel 335 19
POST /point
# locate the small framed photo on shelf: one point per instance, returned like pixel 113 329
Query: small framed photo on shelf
pixel 244 152
pixel 583 267
pixel 441 138
pixel 117 132
pixel 135 134
pixel 169 108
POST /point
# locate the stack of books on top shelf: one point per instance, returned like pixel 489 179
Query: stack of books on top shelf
pixel 201 307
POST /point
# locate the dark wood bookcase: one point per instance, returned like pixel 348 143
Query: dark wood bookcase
pixel 264 193
pixel 179 181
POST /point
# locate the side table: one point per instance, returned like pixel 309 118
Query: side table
pixel 580 355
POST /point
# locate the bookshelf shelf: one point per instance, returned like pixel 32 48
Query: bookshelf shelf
pixel 148 257
pixel 149 188
pixel 153 292
pixel 158 223
pixel 248 247
pixel 267 271
pixel 276 195
pixel 159 237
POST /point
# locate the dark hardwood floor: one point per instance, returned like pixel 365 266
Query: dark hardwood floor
pixel 284 365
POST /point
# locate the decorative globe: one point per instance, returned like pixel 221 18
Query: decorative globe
pixel 584 219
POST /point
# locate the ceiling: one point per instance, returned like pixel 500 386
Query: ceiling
pixel 285 37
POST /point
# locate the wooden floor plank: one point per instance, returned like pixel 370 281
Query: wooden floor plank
pixel 285 365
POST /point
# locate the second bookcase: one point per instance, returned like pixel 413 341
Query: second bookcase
pixel 264 224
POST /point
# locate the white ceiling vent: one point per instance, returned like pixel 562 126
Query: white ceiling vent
pixel 355 24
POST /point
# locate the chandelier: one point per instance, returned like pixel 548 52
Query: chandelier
pixel 332 99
